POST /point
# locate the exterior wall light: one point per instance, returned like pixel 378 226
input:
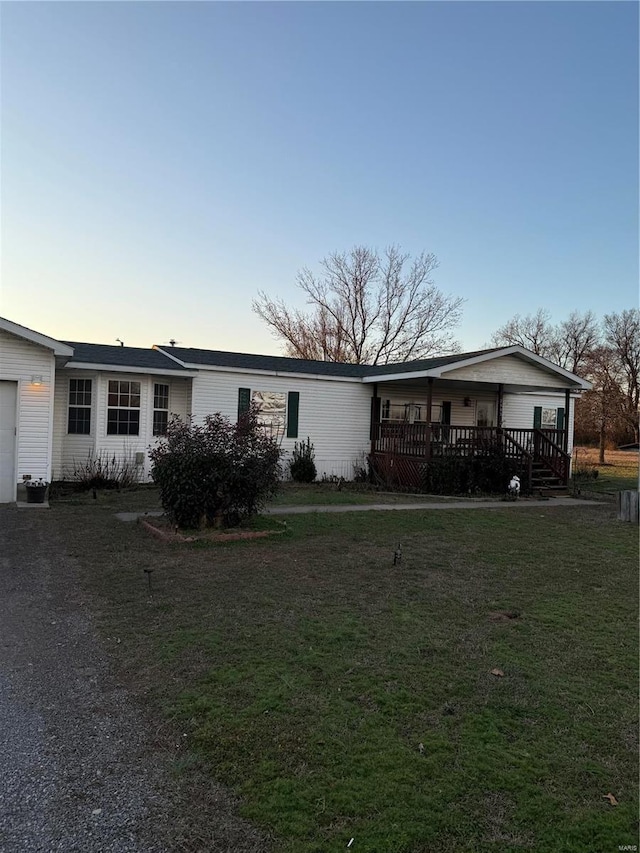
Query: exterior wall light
pixel 36 380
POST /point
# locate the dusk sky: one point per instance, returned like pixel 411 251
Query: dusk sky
pixel 162 162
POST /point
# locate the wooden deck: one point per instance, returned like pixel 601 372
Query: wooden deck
pixel 399 451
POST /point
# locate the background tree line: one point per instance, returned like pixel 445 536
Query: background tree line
pixel 367 307
pixel 606 352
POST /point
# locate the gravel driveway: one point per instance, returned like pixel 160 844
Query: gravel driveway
pixel 78 770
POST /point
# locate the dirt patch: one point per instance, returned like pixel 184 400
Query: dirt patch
pixel 504 615
pixel 161 531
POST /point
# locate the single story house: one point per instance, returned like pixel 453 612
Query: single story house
pixel 62 402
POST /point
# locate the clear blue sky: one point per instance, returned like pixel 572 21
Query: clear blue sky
pixel 162 162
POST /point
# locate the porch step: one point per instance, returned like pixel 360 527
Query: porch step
pixel 540 479
pixel 547 484
pixel 545 481
pixel 550 491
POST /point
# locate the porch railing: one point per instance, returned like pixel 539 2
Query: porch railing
pixel 550 453
pixel 424 441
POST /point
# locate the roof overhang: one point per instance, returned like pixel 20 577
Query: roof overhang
pixel 440 372
pixel 57 347
pixel 119 368
pixel 217 368
pixel 251 371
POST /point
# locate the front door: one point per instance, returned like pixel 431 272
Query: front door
pixel 485 413
pixel 8 397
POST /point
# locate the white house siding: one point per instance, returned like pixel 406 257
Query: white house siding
pixel 73 450
pixel 179 397
pixel 20 360
pixel 335 415
pixel 509 370
pixel 518 410
pixel 70 451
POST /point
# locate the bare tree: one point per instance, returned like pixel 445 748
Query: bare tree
pixel 622 336
pixel 573 339
pixel 600 409
pixel 366 309
pixel 533 332
pixel 567 344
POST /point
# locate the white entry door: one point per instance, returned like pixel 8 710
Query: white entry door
pixel 8 397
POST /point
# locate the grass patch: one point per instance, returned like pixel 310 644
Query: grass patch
pixel 618 474
pixel 318 494
pixel 342 697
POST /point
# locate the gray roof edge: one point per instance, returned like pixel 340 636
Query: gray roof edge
pixel 120 356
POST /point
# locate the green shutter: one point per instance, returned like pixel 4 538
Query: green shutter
pixel 446 412
pixel 560 419
pixel 244 401
pixel 537 417
pixel 293 407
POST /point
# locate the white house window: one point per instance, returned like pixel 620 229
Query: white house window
pixel 160 408
pixel 409 412
pixel 549 418
pixel 485 414
pixel 79 422
pixel 271 410
pixel 392 411
pixel 123 408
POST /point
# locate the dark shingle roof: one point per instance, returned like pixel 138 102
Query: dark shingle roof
pixel 428 363
pixel 120 356
pixel 246 361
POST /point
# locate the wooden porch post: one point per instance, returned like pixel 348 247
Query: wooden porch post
pixel 374 427
pixel 567 404
pixel 500 404
pixel 429 403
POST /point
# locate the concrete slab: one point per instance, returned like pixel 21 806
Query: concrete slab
pixel 460 504
pixel 134 516
pixel 26 505
pixel 522 504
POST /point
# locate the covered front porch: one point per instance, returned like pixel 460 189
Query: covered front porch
pixel 415 425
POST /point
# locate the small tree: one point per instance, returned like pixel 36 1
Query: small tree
pixel 302 464
pixel 220 472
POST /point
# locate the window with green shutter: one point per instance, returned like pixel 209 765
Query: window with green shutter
pixel 274 409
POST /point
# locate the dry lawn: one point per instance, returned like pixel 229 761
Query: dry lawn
pixel 341 697
pixel 619 472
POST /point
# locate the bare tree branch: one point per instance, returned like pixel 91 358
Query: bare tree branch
pixel 366 309
pixel 622 335
pixel 533 332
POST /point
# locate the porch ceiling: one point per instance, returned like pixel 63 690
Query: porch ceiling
pixel 467 385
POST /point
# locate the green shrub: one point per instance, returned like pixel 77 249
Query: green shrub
pixel 456 475
pixel 217 473
pixel 302 464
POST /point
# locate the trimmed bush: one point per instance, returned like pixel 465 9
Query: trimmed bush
pixel 302 464
pixel 219 473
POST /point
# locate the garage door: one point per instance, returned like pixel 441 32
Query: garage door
pixel 8 392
